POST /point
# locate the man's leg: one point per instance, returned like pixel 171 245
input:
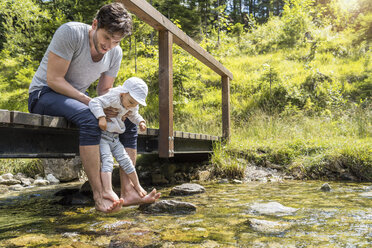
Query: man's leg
pixel 52 103
pixel 90 158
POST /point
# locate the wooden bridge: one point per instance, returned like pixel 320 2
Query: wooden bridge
pixel 25 135
pixel 31 135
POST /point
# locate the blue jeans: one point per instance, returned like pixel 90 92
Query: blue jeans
pixel 48 102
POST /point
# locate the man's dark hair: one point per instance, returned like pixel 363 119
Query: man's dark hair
pixel 115 19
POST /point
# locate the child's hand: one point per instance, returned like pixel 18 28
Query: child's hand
pixel 142 193
pixel 142 126
pixel 102 123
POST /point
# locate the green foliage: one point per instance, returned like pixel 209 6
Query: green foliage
pixel 29 167
pixel 26 28
pixel 296 20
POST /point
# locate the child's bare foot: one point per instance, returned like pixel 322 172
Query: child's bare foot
pixel 133 198
pixel 142 193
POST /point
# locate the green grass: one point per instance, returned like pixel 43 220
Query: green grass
pixel 310 147
pixel 29 167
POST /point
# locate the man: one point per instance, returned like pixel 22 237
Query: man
pixel 77 56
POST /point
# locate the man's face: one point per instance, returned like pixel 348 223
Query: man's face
pixel 104 41
pixel 128 101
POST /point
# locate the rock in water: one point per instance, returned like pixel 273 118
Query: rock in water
pixel 272 208
pixel 168 206
pixel 268 227
pixel 187 189
pixel 325 187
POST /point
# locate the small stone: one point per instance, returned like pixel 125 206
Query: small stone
pixel 70 235
pixel 236 181
pixel 7 176
pixel 19 176
pixel 52 179
pixel 16 187
pixel 268 227
pixel 38 177
pixel 187 189
pixel 41 182
pixel 325 187
pixel 222 181
pixel 26 181
pixel 11 181
pixel 272 208
pixel 168 206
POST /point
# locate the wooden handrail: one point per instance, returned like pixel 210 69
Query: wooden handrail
pixel 154 18
pixel 169 33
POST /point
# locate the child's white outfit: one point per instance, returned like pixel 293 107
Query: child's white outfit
pixel 110 144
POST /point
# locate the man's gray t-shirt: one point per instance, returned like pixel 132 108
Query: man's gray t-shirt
pixel 71 42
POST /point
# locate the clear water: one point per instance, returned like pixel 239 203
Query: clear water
pixel 340 218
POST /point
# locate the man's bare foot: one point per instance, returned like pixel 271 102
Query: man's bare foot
pixel 112 196
pixel 133 198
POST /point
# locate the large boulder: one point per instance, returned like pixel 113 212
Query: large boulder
pixel 168 206
pixel 187 189
pixel 63 169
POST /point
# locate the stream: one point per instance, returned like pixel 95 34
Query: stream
pixel 223 218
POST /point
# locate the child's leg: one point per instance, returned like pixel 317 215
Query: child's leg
pixel 134 178
pixel 126 164
pixel 106 168
pixel 107 185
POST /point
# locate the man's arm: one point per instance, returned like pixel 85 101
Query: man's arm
pixel 104 84
pixel 56 71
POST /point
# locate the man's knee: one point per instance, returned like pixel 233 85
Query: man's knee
pixel 90 133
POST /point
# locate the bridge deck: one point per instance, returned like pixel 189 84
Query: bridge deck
pixel 24 135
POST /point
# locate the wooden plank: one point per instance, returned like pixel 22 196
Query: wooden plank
pixel 225 108
pixel 152 132
pixel 4 116
pixel 17 117
pixel 166 139
pixel 141 132
pixel 185 135
pixel 154 18
pixel 54 121
pixel 192 136
pixel 178 134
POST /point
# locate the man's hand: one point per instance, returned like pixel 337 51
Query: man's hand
pixel 142 126
pixel 111 112
pixel 102 123
pixel 126 115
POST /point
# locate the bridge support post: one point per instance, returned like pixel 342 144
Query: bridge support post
pixel 166 138
pixel 225 108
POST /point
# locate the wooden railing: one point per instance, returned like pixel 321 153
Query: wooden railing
pixel 169 34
